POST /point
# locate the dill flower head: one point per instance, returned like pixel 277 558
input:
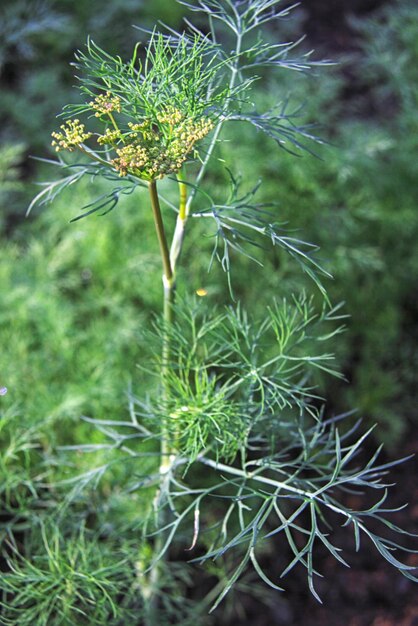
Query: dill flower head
pixel 160 146
pixel 73 134
pixel 132 158
pixel 150 149
pixel 170 115
pixel 105 104
pixel 110 136
pixel 153 113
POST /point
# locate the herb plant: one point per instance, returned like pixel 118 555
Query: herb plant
pixel 230 448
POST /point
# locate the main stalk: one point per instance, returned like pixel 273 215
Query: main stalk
pixel 166 451
pixel 169 259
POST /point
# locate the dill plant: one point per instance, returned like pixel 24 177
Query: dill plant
pixel 232 450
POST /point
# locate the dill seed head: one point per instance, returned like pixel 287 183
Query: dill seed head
pixel 73 134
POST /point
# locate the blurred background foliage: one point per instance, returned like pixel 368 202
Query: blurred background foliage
pixel 74 299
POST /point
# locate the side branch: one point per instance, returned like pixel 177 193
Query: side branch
pixel 182 217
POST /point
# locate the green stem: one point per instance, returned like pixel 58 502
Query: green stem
pixel 217 131
pixel 112 119
pixel 162 239
pixel 169 290
pixel 177 242
pixel 255 476
pixel 183 196
pixel 166 451
pixel 169 260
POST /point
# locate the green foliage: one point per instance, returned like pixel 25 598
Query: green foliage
pixel 258 501
pixel 174 72
pixel 242 224
pixel 290 459
pixel 229 376
pixel 200 80
pixel 21 487
pixel 358 203
pixel 381 218
pixel 11 187
pixel 390 52
pixel 38 39
pixel 74 579
pixel 221 451
pixel 21 23
pixel 10 159
pixel 71 312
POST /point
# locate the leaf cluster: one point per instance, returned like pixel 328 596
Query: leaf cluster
pixel 21 490
pixel 184 72
pixel 241 224
pixel 296 495
pixel 74 579
pixel 243 406
pixel 232 381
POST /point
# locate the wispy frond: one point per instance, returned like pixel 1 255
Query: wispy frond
pixel 102 204
pixel 281 125
pixel 297 495
pixel 241 223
